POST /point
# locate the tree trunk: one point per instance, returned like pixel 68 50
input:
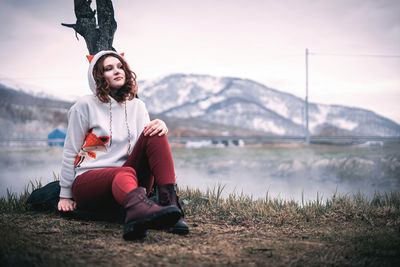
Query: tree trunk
pixel 98 36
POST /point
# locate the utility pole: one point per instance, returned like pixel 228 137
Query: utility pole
pixel 306 102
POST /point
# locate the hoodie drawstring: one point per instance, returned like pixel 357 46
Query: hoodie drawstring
pixel 127 127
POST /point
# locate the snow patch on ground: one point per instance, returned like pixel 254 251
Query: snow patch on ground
pixel 297 120
pixel 152 90
pixel 210 84
pixel 196 113
pixel 323 113
pixel 279 107
pixel 209 101
pixel 344 124
pixel 183 95
pixel 276 105
pixel 239 108
pixel 320 117
pixel 267 126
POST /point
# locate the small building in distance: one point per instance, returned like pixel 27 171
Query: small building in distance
pixel 58 135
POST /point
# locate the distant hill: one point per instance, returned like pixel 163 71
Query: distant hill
pixel 250 105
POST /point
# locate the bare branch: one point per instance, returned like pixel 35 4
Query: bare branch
pixel 73 26
pixel 69 25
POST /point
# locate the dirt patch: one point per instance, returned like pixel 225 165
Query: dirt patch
pixel 47 239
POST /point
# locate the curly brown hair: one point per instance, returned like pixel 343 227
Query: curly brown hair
pixel 103 90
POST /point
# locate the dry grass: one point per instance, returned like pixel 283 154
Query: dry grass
pixel 239 208
pixel 237 230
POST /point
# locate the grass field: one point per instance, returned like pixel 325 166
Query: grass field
pixel 236 230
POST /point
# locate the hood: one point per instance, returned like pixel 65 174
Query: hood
pixel 92 83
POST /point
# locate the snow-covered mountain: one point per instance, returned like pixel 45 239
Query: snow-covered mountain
pixel 247 104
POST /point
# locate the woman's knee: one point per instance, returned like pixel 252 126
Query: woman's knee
pixel 125 175
pixel 128 170
pixel 156 139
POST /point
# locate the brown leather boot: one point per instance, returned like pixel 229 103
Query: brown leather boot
pixel 167 196
pixel 143 213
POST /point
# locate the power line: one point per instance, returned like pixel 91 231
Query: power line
pixel 36 77
pixel 354 55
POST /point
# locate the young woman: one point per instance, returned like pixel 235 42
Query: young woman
pixel 113 153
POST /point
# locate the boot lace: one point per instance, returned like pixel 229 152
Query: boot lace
pixel 146 200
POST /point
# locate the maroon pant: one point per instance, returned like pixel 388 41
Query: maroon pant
pixel 149 162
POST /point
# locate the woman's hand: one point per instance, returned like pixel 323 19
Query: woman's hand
pixel 66 204
pixel 155 127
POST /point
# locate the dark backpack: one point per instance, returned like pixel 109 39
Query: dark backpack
pixel 47 197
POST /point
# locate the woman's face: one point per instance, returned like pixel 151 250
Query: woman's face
pixel 113 72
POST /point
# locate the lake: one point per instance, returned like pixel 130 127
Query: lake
pixel 285 171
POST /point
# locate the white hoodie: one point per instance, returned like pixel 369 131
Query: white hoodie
pixel 87 144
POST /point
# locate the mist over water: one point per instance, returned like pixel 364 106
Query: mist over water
pixel 290 172
pixel 20 165
pixel 286 172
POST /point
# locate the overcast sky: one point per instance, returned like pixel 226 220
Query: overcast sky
pixel 262 40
